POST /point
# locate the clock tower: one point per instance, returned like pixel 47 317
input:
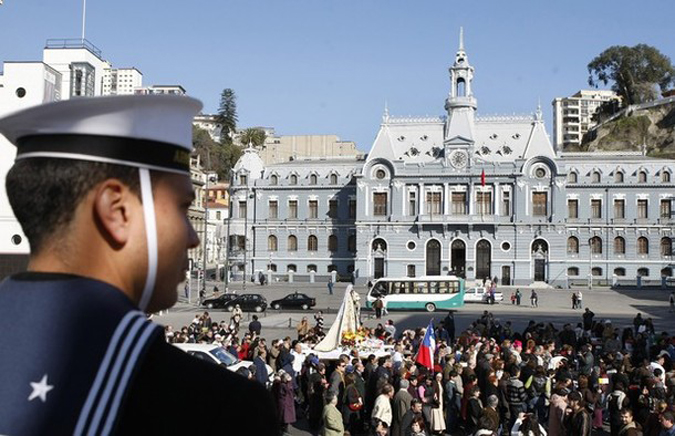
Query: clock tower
pixel 458 137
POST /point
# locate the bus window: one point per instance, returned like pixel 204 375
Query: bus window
pixel 396 288
pixel 422 287
pixel 380 289
pixel 443 289
pixel 454 287
pixel 433 288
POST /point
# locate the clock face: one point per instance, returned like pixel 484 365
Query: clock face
pixel 458 159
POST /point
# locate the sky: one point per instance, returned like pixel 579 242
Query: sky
pixel 329 66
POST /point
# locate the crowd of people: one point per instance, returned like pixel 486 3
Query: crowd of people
pixel 486 380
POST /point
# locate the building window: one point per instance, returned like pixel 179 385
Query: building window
pixel 596 245
pixel 351 243
pixel 311 268
pixel 619 245
pixel 380 174
pixel 434 203
pixel 272 243
pixel 596 272
pixel 331 268
pixel 332 243
pixel 293 208
pixel 312 243
pixel 292 243
pixel 667 272
pixel 218 215
pixel 572 245
pixel 666 210
pixel 459 203
pixel 380 204
pixel 332 209
pixel 352 208
pixel 665 177
pixel 292 268
pixel 642 245
pixel 540 204
pixel 294 179
pixel 618 177
pixel 242 209
pixel 272 267
pixel 619 209
pixel 642 177
pixel 506 203
pixel 313 209
pixel 595 177
pixel 596 209
pixel 313 179
pixel 620 272
pixel 273 206
pixel 333 179
pixel 572 177
pixel 573 208
pixel 274 179
pixel 643 272
pixel 573 271
pixel 642 209
pixel 483 203
pixel 410 270
pixel 412 202
pixel 666 247
pixel 243 179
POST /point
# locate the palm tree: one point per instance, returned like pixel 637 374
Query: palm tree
pixel 254 136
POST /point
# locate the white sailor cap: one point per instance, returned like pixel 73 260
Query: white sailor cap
pixel 144 131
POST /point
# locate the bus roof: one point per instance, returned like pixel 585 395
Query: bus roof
pixel 412 279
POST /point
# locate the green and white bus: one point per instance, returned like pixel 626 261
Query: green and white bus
pixel 416 293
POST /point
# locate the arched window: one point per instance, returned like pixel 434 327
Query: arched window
pixel 643 272
pixel 292 268
pixel 461 88
pixel 667 272
pixel 274 179
pixel 620 272
pixel 665 176
pixel 272 243
pixel 333 179
pixel 313 179
pixel 596 245
pixel 311 268
pixel 596 272
pixel 619 245
pixel 573 271
pixel 618 176
pixel 666 246
pixel 572 245
pixel 351 243
pixel 272 267
pixel 332 268
pixel 572 177
pixel 595 177
pixel 643 245
pixel 294 179
pixel 332 243
pixel 642 177
pixel 312 243
pixel 292 243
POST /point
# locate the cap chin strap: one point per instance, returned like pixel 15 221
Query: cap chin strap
pixel 150 235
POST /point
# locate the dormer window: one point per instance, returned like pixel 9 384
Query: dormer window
pixel 595 177
pixel 333 179
pixel 642 176
pixel 294 179
pixel 618 177
pixel 665 177
pixel 572 177
pixel 274 180
pixel 243 179
pixel 313 179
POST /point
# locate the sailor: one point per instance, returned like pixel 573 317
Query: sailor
pixel 101 188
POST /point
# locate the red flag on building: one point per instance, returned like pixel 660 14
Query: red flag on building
pixel 482 178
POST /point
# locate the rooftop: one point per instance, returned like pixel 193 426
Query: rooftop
pixel 74 43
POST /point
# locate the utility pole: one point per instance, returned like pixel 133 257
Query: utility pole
pixel 227 243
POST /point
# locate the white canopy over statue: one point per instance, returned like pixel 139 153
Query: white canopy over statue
pixel 347 320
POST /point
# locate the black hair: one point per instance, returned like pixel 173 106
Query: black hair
pixel 45 192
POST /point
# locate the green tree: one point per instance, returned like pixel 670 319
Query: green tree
pixel 215 156
pixel 227 115
pixel 635 72
pixel 253 135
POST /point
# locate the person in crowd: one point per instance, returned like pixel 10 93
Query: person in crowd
pixel 580 299
pixel 578 420
pixel 527 425
pixel 254 326
pixel 417 427
pixel 382 412
pixel 285 399
pixel 629 426
pixel 667 424
pixel 331 418
pixel 410 415
pixel 402 401
pixel 534 299
pixel 303 329
pixel 318 318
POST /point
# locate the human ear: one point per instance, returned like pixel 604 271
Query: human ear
pixel 113 211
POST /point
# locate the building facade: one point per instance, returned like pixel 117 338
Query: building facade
pixel 463 195
pixel 122 81
pixel 573 116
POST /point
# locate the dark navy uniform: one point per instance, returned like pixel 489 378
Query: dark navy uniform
pixel 78 357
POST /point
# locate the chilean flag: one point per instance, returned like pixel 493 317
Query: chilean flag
pixel 425 355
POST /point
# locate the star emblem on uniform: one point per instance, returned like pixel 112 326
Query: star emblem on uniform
pixel 40 389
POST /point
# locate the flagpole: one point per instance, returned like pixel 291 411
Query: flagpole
pixel 84 17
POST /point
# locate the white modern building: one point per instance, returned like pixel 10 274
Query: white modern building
pixel 572 116
pixel 161 89
pixel 122 81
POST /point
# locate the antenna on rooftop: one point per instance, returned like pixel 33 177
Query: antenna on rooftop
pixel 84 17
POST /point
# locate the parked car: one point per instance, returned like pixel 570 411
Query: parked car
pixel 480 295
pixel 216 354
pixel 294 301
pixel 248 303
pixel 219 302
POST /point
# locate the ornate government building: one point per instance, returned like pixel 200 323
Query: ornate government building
pixel 464 195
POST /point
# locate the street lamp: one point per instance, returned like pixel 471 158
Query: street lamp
pixel 206 228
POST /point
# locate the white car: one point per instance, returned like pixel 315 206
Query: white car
pixel 480 295
pixel 216 354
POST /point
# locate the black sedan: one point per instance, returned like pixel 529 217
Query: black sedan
pixel 294 301
pixel 248 303
pixel 219 302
